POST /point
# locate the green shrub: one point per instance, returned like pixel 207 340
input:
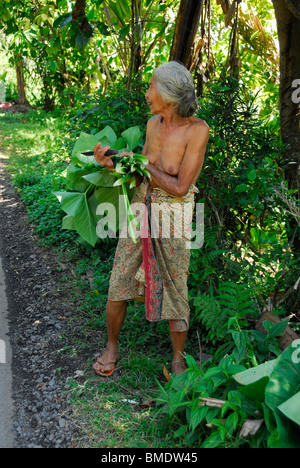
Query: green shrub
pixel 26 179
pixel 248 231
pixel 119 108
pixel 44 210
pixel 208 407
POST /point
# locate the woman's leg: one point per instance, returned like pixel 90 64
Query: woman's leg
pixel 178 340
pixel 115 316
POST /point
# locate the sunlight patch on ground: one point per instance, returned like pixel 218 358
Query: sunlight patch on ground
pixel 2 156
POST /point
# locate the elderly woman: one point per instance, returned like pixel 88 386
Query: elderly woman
pixel 158 267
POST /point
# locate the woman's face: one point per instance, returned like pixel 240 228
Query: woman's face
pixel 154 100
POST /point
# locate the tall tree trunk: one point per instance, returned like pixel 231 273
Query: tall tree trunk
pixel 186 28
pixel 136 42
pixel 78 10
pixel 288 23
pixel 48 98
pixel 20 80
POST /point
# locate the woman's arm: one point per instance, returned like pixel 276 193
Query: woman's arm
pixel 191 165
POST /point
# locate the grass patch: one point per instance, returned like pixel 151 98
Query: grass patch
pixel 117 415
pixel 37 164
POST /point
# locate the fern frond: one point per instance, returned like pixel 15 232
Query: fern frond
pixel 209 257
pixel 234 301
pixel 210 235
pixel 208 312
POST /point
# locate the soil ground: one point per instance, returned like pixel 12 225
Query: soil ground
pixel 37 317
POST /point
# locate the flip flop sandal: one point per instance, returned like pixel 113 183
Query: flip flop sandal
pixel 104 373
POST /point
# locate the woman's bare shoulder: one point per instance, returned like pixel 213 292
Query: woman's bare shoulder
pixel 199 127
pixel 195 121
pixel 154 120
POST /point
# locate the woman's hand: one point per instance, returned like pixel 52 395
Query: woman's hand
pixel 125 153
pixel 99 154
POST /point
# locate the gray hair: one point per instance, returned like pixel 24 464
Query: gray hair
pixel 175 84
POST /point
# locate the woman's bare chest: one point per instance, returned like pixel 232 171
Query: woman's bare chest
pixel 166 150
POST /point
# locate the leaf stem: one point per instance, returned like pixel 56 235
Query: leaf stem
pixel 129 214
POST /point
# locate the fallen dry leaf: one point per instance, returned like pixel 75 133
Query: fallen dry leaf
pixel 250 427
pixel 213 402
pixel 166 373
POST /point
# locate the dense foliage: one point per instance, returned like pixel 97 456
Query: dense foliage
pixel 63 57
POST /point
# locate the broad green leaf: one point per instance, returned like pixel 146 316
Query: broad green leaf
pixel 125 7
pixel 71 202
pixel 181 431
pixel 120 10
pixel 277 444
pixel 52 65
pixel 124 31
pixel 83 36
pixel 286 435
pixel 3 76
pixel 255 235
pixel 101 178
pixel 241 340
pixel 84 175
pixel 291 408
pixel 74 177
pixel 76 205
pixel 254 374
pixel 85 224
pixel 235 368
pixel 86 159
pixel 284 379
pixel 68 223
pixel 85 142
pixel 112 195
pixel 93 205
pixel 106 194
pixel 256 390
pixel 132 136
pixel 119 144
pixel 108 133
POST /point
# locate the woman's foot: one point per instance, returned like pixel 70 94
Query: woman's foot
pixel 106 364
pixel 178 365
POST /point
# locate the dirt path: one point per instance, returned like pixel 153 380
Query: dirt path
pixel 42 415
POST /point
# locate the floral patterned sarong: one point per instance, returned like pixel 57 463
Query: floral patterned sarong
pixel 157 266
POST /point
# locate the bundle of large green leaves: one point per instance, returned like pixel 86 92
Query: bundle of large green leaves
pixel 90 184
